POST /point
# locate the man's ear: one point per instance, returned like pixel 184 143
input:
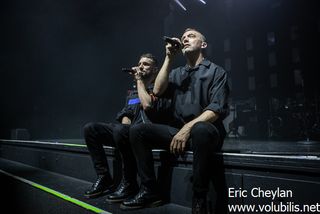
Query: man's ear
pixel 204 45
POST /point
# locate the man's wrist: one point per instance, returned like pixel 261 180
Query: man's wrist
pixel 170 58
pixel 140 81
pixel 188 126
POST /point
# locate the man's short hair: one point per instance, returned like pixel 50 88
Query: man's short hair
pixel 150 56
pixel 203 38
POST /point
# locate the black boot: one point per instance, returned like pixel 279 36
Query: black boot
pixel 125 190
pixel 199 205
pixel 101 187
pixel 144 198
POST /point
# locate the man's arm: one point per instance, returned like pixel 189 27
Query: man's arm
pixel 162 80
pixel 178 143
pixel 142 83
pixel 144 96
pixel 206 116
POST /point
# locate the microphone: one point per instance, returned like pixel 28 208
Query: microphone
pixel 128 70
pixel 171 41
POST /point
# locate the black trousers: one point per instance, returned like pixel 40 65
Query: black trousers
pixel 204 140
pixel 98 134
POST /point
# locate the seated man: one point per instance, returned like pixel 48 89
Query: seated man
pixel 140 108
pixel 200 93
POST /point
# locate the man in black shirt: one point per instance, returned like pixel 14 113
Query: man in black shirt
pixel 140 107
pixel 200 92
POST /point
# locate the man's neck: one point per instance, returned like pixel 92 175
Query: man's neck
pixel 194 59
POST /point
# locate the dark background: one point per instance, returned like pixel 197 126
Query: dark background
pixel 60 61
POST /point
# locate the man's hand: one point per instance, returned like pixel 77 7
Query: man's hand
pixel 126 120
pixel 138 74
pixel 178 143
pixel 172 50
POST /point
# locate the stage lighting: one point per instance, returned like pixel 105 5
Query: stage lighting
pixel 202 1
pixel 180 5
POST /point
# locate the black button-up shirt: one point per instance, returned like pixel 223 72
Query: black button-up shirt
pixel 195 90
pixel 159 112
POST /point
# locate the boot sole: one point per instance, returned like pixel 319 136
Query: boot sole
pixel 114 201
pixel 119 200
pixel 149 205
pixel 96 195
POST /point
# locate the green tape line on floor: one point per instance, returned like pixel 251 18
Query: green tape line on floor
pixel 58 194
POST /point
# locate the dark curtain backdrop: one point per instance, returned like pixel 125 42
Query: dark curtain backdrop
pixel 61 60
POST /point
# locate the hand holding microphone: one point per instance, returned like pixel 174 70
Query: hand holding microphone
pixel 173 46
pixel 173 41
pixel 138 75
pixel 135 71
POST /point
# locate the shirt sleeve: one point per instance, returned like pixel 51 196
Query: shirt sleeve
pixel 127 110
pixel 218 93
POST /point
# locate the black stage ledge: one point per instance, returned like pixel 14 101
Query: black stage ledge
pixel 45 174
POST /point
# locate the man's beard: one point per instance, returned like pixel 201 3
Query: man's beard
pixel 184 51
pixel 188 51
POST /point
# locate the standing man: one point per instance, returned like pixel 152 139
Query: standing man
pixel 140 107
pixel 200 93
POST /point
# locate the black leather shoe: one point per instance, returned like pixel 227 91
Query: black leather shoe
pixel 125 190
pixel 199 205
pixel 101 187
pixel 144 198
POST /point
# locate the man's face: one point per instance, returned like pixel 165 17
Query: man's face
pixel 192 41
pixel 146 66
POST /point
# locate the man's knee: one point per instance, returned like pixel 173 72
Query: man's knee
pixel 205 131
pixel 88 128
pixel 94 128
pixel 204 128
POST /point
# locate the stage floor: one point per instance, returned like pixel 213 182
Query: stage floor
pixel 244 164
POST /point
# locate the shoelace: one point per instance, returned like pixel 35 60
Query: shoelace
pixel 121 186
pixel 140 193
pixel 97 182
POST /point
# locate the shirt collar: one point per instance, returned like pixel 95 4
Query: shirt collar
pixel 204 62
